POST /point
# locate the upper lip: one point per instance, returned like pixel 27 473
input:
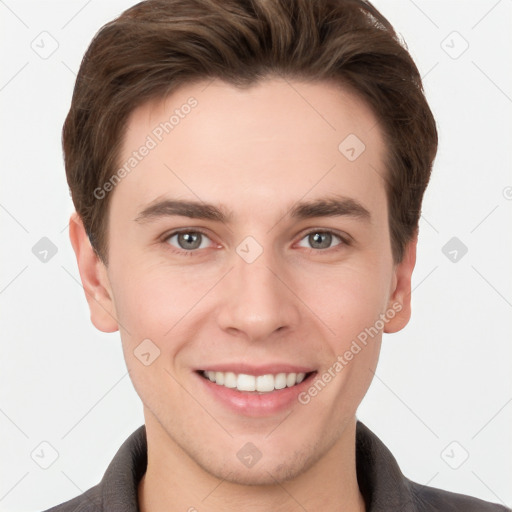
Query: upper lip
pixel 256 370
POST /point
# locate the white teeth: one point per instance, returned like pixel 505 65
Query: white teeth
pixel 265 383
pixel 261 383
pixel 280 381
pixel 229 380
pixel 246 382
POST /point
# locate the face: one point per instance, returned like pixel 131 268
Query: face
pixel 250 271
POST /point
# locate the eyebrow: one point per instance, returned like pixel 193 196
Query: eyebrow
pixel 322 207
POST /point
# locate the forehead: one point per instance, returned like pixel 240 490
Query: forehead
pixel 254 147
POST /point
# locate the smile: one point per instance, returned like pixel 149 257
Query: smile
pixel 259 384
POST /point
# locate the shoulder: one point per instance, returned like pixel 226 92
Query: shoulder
pixel 117 490
pixel 431 499
pixel 89 501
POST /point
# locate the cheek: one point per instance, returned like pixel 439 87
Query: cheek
pixel 150 300
pixel 145 308
pixel 168 307
pixel 348 300
pixel 148 308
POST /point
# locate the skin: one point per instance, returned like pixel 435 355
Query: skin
pixel 256 152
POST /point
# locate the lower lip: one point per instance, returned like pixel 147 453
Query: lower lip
pixel 256 404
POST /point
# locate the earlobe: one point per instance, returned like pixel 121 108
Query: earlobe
pixel 94 278
pixel 400 298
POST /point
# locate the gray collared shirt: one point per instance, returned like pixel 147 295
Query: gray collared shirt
pixel 380 480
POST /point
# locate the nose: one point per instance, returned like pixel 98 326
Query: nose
pixel 258 299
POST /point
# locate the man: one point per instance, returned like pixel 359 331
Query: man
pixel 248 179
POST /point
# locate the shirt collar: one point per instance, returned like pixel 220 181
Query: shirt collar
pixel 380 480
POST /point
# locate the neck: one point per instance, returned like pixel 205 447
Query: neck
pixel 173 481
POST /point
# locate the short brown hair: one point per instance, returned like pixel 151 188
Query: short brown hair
pixel 158 45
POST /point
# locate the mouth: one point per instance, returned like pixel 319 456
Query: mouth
pixel 257 391
pixel 257 384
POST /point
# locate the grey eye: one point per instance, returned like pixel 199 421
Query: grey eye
pixel 320 239
pixel 189 240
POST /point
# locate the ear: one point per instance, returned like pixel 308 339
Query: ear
pixel 93 274
pixel 400 297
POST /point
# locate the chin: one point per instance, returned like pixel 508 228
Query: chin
pixel 254 477
pixel 267 471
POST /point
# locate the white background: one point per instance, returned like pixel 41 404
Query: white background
pixel 447 377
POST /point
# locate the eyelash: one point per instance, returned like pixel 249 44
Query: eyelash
pixel 345 240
